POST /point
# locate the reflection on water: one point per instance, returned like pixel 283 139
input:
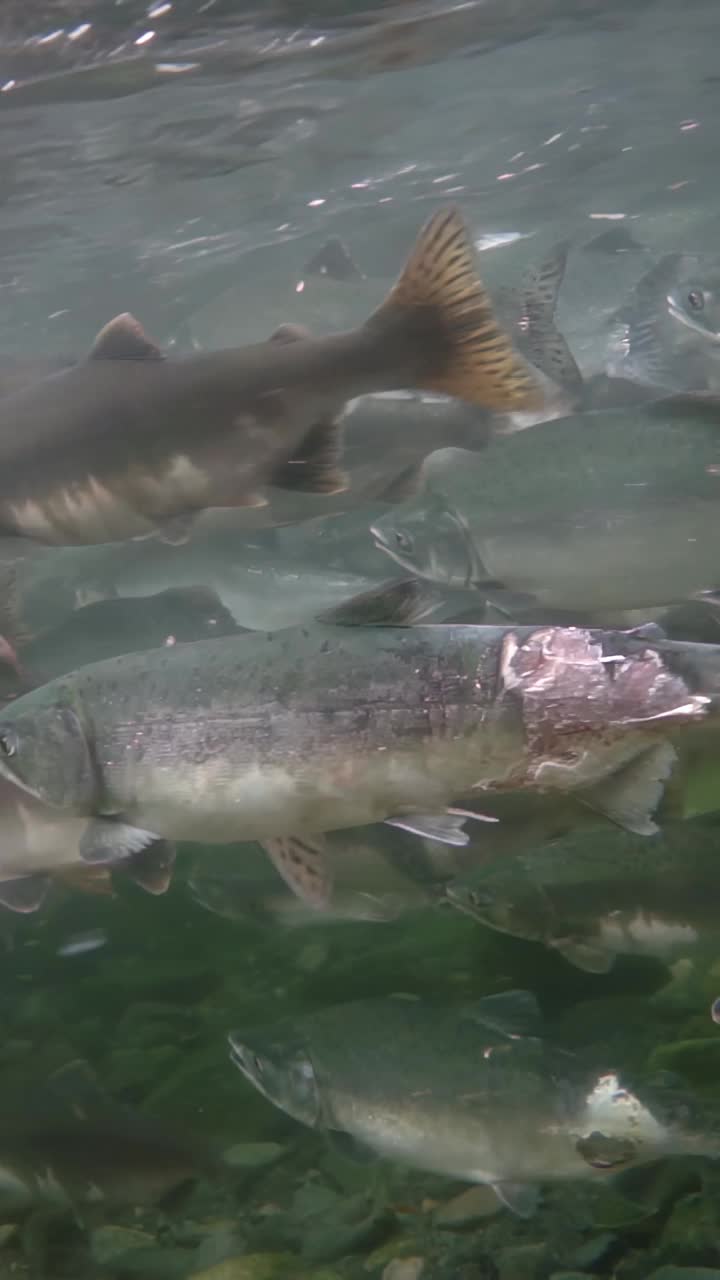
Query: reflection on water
pixel 358 910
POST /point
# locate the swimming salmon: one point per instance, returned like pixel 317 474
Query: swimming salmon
pixel 129 441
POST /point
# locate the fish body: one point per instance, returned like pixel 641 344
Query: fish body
pixel 263 588
pixel 68 1144
pixel 105 628
pixel 372 870
pixel 128 441
pixel 319 728
pixel 455 1091
pixel 17 372
pixel 602 893
pixel 595 514
pixel 41 847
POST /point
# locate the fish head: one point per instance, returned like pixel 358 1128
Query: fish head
pixel 432 541
pixel 695 304
pixel 624 1125
pixel 45 752
pixel 280 1067
pixel 505 900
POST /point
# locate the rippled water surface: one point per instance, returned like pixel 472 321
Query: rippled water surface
pixel 188 162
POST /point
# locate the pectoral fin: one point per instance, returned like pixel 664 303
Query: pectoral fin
pixel 350 1148
pixel 512 1013
pixel 302 862
pixel 520 1198
pixel 583 955
pixel 152 867
pixel 446 828
pixel 106 841
pixel 176 532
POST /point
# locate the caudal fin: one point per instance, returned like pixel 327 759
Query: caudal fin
pixel 463 350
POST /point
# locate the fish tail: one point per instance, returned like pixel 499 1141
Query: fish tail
pixel 14 634
pixel 441 307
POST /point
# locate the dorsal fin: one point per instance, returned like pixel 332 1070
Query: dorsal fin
pixel 124 339
pixel 290 333
pixel 333 259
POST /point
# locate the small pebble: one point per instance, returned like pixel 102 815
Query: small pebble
pixel 108 1243
pixel 253 1155
pixel 404 1269
pixel 312 957
pixel 686 1273
pixel 467 1209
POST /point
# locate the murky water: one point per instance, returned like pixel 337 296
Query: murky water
pixel 337 943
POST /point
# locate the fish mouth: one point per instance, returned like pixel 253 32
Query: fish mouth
pixel 711 336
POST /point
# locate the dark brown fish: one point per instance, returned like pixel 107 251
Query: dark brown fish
pixel 68 1144
pixel 129 441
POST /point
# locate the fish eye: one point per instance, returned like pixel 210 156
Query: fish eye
pixel 8 743
pixel 404 542
pixel 696 300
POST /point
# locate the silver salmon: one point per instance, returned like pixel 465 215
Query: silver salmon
pixel 470 1092
pixel 282 736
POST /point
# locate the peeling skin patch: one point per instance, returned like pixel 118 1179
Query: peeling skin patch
pixel 568 689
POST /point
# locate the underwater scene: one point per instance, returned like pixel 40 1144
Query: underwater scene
pixel 359 640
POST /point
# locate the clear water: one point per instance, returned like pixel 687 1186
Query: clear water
pixel 184 162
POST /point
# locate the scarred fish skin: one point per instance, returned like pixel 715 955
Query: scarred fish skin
pixel 318 728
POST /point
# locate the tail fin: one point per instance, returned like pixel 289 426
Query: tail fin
pixel 539 338
pixel 14 635
pixel 466 354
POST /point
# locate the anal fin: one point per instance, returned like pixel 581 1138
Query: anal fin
pixel 630 797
